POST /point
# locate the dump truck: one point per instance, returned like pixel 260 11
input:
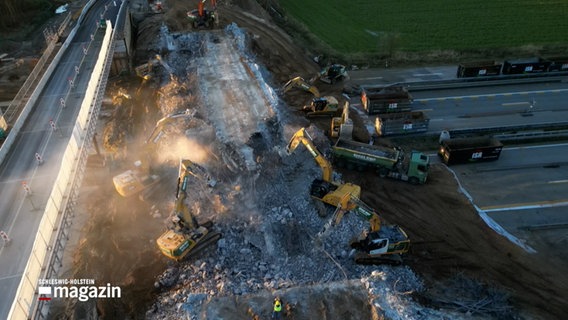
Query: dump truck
pixel 465 150
pixel 479 69
pixel 386 99
pixel 387 162
pixel 391 124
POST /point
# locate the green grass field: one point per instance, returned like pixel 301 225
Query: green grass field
pixel 427 25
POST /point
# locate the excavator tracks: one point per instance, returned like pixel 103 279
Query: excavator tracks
pixel 211 238
pixel 390 259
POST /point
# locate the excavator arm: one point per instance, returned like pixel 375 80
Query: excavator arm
pixel 181 210
pixel 362 209
pixel 299 82
pixel 187 237
pixel 301 136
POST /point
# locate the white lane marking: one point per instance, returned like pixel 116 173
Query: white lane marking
pixel 508 94
pixel 371 78
pixel 539 146
pixel 558 181
pixel 427 74
pixel 536 205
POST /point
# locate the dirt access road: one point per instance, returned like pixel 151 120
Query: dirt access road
pixel 261 203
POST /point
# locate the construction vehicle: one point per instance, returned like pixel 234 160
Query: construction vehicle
pixel 144 71
pixel 382 244
pixel 342 126
pixel 325 190
pixel 139 181
pixel 479 69
pixel 299 82
pixel 401 123
pixel 333 73
pixel 186 237
pixel 386 99
pixel 387 162
pixel 466 150
pixel 203 17
pixel 323 106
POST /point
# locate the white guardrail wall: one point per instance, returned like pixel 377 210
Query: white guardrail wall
pixel 26 304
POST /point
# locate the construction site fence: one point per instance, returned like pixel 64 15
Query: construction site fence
pixel 63 196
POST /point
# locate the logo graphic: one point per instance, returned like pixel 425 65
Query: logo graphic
pixel 80 289
pixel 44 291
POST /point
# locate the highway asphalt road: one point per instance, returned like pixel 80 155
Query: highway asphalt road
pixel 527 187
pixel 498 106
pixel 20 214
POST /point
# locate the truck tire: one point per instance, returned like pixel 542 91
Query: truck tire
pixel 383 172
pixel 413 180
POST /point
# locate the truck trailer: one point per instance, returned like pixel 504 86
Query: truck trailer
pixel 386 99
pixel 391 124
pixel 465 150
pixel 387 162
pixel 534 65
pixel 479 69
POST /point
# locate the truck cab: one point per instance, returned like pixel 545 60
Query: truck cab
pixel 418 167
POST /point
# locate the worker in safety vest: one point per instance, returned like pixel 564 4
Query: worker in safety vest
pixel 276 314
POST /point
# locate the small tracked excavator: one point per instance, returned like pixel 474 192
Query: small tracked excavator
pixel 323 106
pixel 186 236
pixel 325 190
pixel 333 73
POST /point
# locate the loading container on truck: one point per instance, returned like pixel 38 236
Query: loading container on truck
pixel 387 162
pixel 558 64
pixel 479 69
pixel 386 99
pixel 533 65
pixel 464 150
pixel 391 124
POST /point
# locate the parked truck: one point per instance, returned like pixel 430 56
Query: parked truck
pixel 523 66
pixel 387 162
pixel 390 124
pixel 479 69
pixel 386 99
pixel 464 150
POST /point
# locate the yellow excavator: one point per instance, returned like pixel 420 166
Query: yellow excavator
pixel 186 237
pixel 144 71
pixel 381 244
pixel 338 195
pixel 299 82
pixel 323 106
pixel 140 181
